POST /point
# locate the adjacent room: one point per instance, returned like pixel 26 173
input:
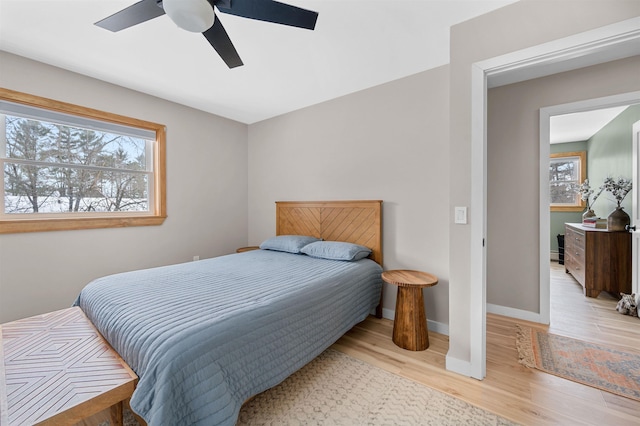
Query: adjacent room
pixel 318 212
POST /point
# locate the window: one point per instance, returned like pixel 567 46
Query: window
pixel 69 167
pixel 567 170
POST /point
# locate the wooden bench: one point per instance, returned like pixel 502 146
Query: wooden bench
pixel 57 369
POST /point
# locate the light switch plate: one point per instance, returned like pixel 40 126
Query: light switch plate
pixel 461 215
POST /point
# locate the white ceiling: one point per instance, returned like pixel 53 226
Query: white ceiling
pixel 580 126
pixel 356 44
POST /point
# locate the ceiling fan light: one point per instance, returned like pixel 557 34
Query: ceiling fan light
pixel 192 15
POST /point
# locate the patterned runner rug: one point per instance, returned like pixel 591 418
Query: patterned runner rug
pixel 608 369
pixel 336 389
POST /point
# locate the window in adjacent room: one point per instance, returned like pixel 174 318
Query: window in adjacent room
pixel 567 170
pixel 70 167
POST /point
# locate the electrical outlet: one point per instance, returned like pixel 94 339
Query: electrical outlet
pixel 196 258
pixel 461 215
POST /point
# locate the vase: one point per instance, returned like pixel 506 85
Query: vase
pixel 618 220
pixel 587 214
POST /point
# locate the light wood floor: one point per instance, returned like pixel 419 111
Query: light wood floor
pixel 520 394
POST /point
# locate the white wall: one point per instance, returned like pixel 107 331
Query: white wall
pixel 390 143
pixel 517 26
pixel 206 197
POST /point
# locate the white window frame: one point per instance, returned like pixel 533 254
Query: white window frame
pixel 45 109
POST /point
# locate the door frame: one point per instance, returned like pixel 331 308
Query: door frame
pixel 604 44
pixel 635 217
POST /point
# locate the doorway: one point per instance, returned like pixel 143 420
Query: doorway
pixel 611 151
pixel 546 115
pixel 596 46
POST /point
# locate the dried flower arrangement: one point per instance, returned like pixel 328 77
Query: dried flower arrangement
pixel 618 188
pixel 586 192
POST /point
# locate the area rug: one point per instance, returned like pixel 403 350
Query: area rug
pixel 336 389
pixel 608 369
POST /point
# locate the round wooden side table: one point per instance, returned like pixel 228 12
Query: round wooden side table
pixel 410 324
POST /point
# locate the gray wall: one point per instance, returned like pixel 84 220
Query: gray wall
pixel 390 143
pixel 206 197
pixel 517 26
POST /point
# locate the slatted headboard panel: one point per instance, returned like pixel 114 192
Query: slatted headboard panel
pixel 358 222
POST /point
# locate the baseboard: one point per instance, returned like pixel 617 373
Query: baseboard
pixel 554 256
pixel 388 313
pixel 514 313
pixel 458 366
pixel 436 327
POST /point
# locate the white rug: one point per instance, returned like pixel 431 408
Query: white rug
pixel 336 389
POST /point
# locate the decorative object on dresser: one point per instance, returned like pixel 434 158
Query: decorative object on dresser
pixel 588 214
pixel 410 323
pixel 594 222
pixel 599 259
pixel 585 195
pixel 618 219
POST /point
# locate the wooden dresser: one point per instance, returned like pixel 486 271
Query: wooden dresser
pixel 598 259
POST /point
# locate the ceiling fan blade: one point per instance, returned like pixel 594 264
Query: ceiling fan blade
pixel 133 15
pixel 270 11
pixel 219 39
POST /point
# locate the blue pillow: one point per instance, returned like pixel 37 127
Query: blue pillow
pixel 287 243
pixel 336 250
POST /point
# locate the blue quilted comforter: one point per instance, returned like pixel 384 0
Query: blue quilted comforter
pixel 205 336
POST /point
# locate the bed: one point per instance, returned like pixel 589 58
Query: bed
pixel 206 336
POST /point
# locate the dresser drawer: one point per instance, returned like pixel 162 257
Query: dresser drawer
pixel 569 262
pixel 574 239
pixel 577 253
pixel 575 267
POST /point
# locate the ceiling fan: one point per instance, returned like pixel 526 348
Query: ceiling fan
pixel 199 16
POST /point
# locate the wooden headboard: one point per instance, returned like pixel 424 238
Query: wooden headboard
pixel 358 222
